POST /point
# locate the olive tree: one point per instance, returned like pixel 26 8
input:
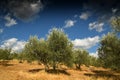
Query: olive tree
pixel 81 57
pixel 37 49
pixel 5 55
pixel 115 22
pixel 60 48
pixel 31 47
pixel 109 51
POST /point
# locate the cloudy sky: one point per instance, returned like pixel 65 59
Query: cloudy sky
pixel 84 21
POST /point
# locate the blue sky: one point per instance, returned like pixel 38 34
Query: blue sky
pixel 84 25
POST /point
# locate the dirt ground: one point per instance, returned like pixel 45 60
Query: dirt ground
pixel 26 71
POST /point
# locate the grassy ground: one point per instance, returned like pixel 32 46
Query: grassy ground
pixel 25 71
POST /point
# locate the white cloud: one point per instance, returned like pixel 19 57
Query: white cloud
pixel 9 21
pixel 114 10
pixel 36 7
pixel 86 43
pixel 69 23
pixel 14 44
pixel 1 31
pixel 96 25
pixel 26 10
pixel 94 54
pixel 85 15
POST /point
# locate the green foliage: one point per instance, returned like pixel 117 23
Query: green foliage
pixel 60 47
pixel 94 61
pixel 43 53
pixel 31 48
pixel 81 57
pixel 21 56
pixel 14 55
pixel 115 22
pixel 5 54
pixel 37 49
pixel 109 51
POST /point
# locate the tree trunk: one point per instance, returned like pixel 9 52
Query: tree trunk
pixel 78 66
pixel 46 67
pixel 54 67
pixel 54 63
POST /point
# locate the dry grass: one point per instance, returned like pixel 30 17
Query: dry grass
pixel 25 71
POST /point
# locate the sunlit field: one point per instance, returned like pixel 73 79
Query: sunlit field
pixel 33 71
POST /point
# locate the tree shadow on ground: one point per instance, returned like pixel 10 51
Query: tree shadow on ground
pixel 58 71
pixel 107 74
pixel 35 70
pixel 6 63
pixel 9 65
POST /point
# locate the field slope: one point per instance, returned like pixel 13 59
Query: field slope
pixel 25 71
